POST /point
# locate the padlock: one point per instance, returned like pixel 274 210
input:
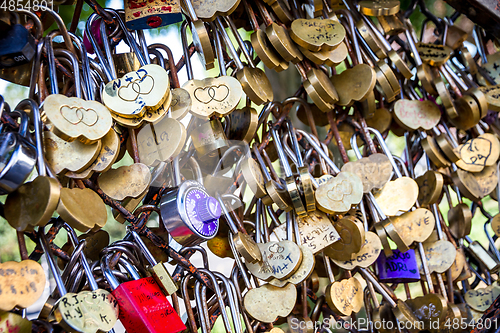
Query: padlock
pixel 17 47
pixel 143 306
pixel 398 268
pixel 150 15
pixel 189 214
pixel 17 151
pixel 158 270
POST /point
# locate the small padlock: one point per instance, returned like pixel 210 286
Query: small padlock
pixel 17 153
pixel 157 269
pixel 144 14
pixel 398 268
pixel 190 214
pixel 143 306
pixel 17 47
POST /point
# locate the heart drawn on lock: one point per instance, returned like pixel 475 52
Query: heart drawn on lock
pixel 76 115
pixel 354 84
pixel 129 96
pixel 208 94
pixel 142 85
pixel 316 34
pixel 397 196
pixel 482 298
pixel 345 297
pixel 374 171
pixel 21 283
pixel 340 190
pixel 415 115
pixel 266 303
pixel 414 226
pixel 75 118
pixel 279 260
pixel 339 193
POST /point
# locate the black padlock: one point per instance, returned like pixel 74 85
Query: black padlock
pixel 17 47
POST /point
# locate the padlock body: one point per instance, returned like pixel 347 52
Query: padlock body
pixel 401 267
pixel 17 161
pixel 144 308
pixel 144 14
pixel 17 47
pixel 163 278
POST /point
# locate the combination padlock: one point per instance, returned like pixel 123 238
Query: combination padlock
pixel 190 214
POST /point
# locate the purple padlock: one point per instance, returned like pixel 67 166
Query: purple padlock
pixel 401 267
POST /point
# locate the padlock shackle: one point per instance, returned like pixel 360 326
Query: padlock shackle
pixel 145 251
pixel 320 151
pixel 88 272
pixel 227 41
pixel 129 38
pixel 187 59
pixel 53 267
pixel 75 67
pixel 106 271
pixel 218 50
pixel 107 64
pixel 196 248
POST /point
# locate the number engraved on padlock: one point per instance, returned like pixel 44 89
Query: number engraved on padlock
pixel 21 283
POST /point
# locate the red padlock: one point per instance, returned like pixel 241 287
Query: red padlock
pixel 143 306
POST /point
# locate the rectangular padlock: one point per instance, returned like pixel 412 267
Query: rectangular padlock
pixel 480 253
pixel 144 308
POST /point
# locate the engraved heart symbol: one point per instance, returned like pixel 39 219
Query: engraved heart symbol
pixel 76 115
pixel 279 260
pixel 338 192
pixel 75 118
pixel 374 171
pixel 140 86
pixel 211 93
pixel 72 115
